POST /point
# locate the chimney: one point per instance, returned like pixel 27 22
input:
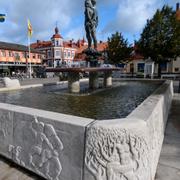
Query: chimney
pixel 177 6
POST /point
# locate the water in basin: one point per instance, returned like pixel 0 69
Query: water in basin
pixel 115 102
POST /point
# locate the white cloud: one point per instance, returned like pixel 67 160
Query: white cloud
pixel 43 15
pixel 132 15
pixel 75 33
pixel 129 16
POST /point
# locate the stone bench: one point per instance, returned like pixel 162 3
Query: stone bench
pixel 11 83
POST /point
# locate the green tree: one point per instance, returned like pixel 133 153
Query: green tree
pixel 160 38
pixel 118 49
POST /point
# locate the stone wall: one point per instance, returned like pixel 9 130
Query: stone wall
pixel 64 147
pixel 129 148
pixel 47 143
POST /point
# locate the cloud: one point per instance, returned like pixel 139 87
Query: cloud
pixel 123 15
pixel 131 15
pixel 42 14
pixel 75 33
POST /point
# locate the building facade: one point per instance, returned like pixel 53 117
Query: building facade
pixel 59 52
pixel 15 57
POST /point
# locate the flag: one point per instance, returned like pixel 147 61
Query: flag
pixel 30 30
pixel 2 17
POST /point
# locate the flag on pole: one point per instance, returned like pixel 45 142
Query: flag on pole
pixel 2 17
pixel 30 30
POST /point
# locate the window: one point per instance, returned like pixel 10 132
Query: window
pixel 57 43
pixel 24 54
pixel 10 54
pixel 58 53
pixel 69 54
pixel 176 69
pixel 17 57
pixel 140 67
pixel 65 54
pixel 49 53
pixel 163 66
pixel 72 55
pixel 3 53
pixel 34 56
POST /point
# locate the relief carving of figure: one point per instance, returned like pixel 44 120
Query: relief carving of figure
pixel 91 22
pixel 44 155
pixel 114 155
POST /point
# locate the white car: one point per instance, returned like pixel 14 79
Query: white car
pixel 106 65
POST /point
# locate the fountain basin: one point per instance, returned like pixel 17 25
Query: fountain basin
pixel 65 147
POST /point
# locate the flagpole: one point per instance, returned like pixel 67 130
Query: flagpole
pixel 29 58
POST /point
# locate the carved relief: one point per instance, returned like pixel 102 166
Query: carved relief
pixel 40 149
pixel 5 119
pixel 116 154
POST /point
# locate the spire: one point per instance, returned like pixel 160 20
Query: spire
pixel 56 30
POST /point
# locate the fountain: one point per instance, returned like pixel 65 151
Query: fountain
pixel 77 146
pixel 92 54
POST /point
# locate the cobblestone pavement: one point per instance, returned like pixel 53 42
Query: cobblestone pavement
pixel 10 171
pixel 169 163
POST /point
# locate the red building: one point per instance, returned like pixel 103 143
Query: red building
pixel 58 51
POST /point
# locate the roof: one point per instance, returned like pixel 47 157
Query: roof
pixel 16 47
pixel 41 44
pixel 57 36
pixel 100 47
pixel 80 55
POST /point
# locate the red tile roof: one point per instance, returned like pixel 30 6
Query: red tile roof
pixel 57 36
pixel 41 44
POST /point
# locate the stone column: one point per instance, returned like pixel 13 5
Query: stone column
pixel 108 79
pixel 93 80
pixel 73 82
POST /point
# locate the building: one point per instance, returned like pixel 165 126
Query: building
pixel 15 57
pixel 59 52
pixel 82 45
pixel 137 62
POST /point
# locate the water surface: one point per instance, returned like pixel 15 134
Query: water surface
pixel 116 102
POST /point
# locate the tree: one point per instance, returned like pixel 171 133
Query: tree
pixel 160 39
pixel 118 49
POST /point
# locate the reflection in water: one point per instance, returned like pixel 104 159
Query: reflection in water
pixel 116 102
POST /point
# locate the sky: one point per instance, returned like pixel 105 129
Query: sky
pixel 125 16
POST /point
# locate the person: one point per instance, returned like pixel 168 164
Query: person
pixel 91 22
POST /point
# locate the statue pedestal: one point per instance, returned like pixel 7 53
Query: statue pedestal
pixel 73 82
pixel 108 79
pixel 93 80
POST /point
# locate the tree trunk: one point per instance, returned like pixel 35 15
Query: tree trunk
pixel 159 70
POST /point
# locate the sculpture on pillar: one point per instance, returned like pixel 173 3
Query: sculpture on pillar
pixel 91 22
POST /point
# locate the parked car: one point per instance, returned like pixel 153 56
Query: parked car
pixel 106 65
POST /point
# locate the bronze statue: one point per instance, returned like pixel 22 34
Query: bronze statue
pixel 91 22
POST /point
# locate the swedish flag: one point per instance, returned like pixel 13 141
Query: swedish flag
pixel 2 17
